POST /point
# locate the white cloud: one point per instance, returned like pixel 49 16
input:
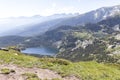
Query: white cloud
pixel 54 10
pixel 48 12
pixel 54 4
pixel 79 0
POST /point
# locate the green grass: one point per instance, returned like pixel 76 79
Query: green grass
pixel 83 35
pixel 56 79
pixel 6 71
pixel 31 76
pixel 89 70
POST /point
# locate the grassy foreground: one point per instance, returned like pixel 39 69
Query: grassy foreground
pixel 89 70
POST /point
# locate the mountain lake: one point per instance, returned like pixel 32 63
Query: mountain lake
pixel 40 51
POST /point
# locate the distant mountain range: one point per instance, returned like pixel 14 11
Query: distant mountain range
pixel 40 24
pixel 18 25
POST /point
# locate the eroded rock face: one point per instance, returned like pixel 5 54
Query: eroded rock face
pixel 82 44
pixel 116 27
pixel 117 37
pixel 57 44
pixel 116 52
pixel 86 43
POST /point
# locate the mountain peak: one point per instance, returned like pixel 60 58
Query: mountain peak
pixel 106 12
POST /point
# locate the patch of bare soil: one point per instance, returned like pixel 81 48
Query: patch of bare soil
pixel 41 73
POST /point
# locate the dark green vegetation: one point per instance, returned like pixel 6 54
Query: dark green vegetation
pixel 31 76
pixel 56 79
pixel 89 70
pixel 7 71
pixel 11 40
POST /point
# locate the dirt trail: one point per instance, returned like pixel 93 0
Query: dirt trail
pixel 41 73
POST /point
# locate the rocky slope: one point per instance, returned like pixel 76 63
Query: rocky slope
pixel 89 42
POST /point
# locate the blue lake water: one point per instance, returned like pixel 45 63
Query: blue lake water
pixel 40 50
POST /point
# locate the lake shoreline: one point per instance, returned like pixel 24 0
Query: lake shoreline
pixel 40 51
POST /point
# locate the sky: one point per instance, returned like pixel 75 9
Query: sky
pixel 16 8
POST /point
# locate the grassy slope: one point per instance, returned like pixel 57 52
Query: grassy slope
pixel 84 70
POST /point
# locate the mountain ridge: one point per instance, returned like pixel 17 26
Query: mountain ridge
pixel 93 16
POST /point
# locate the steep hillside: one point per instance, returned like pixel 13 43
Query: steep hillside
pixel 11 40
pixel 98 42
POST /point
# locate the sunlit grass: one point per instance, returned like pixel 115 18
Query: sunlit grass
pixel 89 70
